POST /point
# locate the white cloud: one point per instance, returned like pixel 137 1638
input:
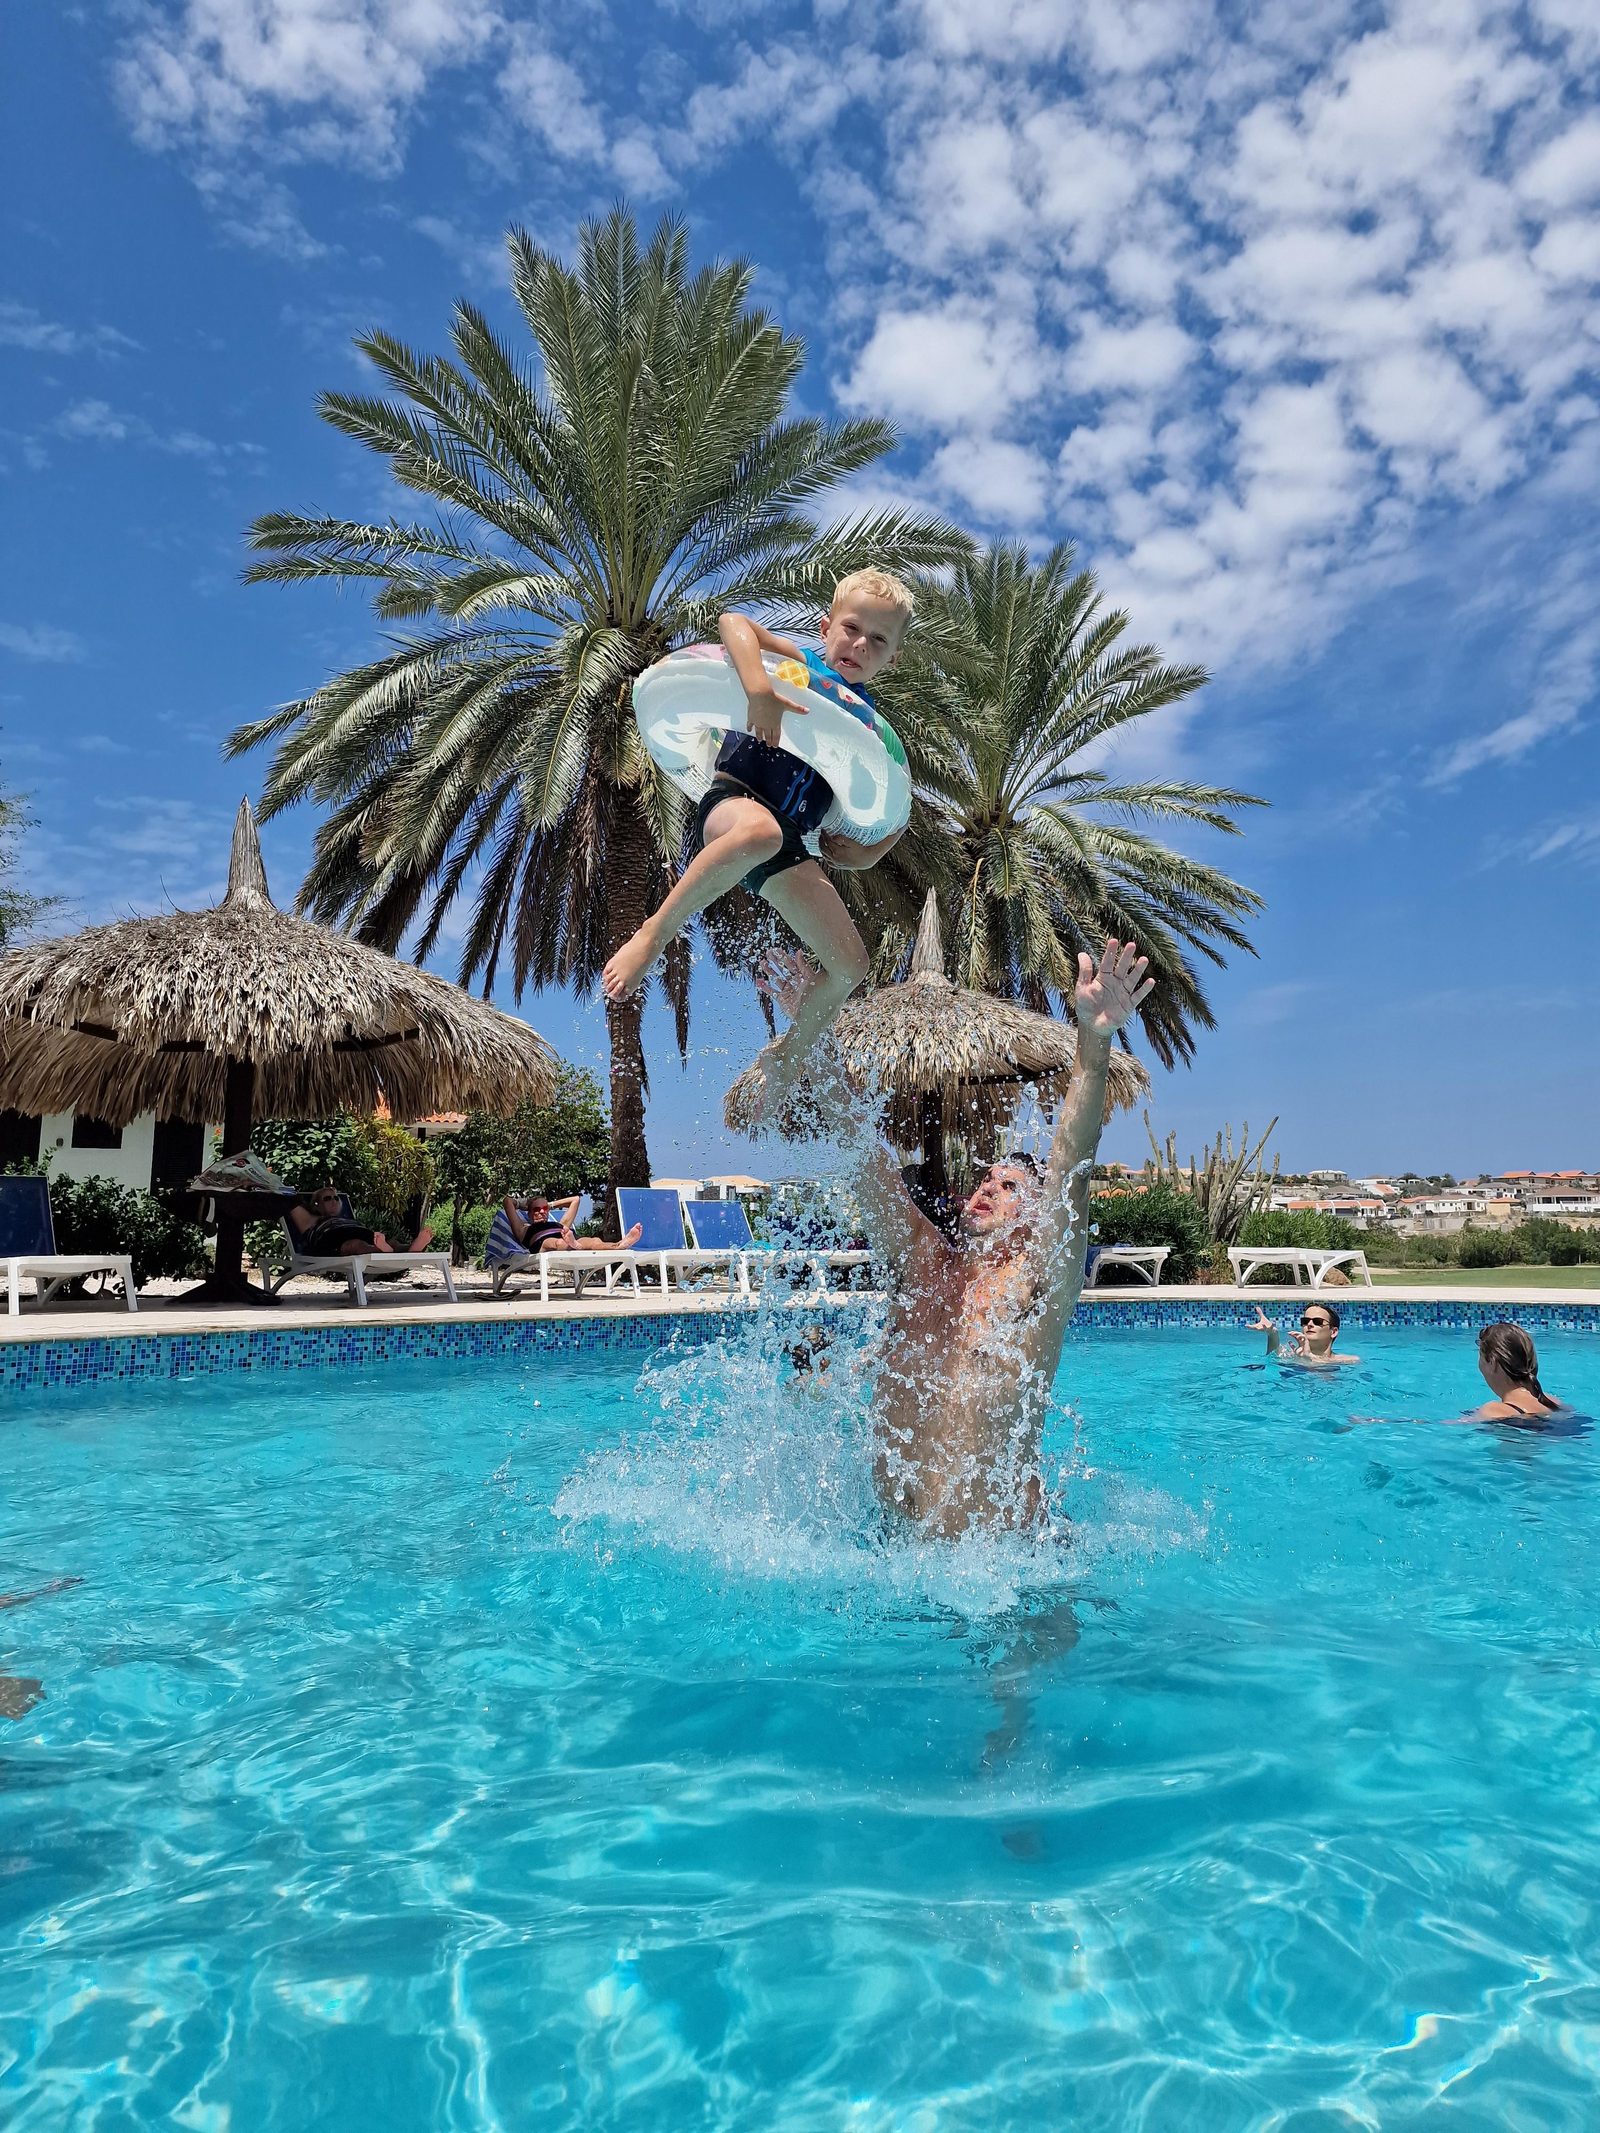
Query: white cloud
pixel 1570 250
pixel 41 641
pixel 1567 173
pixel 259 213
pixel 1005 484
pixel 547 94
pixel 343 73
pixel 480 258
pixel 1113 359
pixel 1563 679
pixel 97 422
pixel 21 326
pixel 951 365
pixel 1566 840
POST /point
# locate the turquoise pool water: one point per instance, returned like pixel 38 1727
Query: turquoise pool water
pixel 523 1746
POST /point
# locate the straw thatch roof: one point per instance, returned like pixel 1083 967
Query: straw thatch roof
pixel 150 1014
pixel 943 1055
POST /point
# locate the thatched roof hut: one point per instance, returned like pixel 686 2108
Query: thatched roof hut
pixel 950 1063
pixel 160 1014
pixel 246 1012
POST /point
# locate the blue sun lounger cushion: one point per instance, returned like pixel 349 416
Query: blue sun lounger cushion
pixel 720 1225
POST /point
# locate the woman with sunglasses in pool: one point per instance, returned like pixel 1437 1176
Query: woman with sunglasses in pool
pixel 1312 1346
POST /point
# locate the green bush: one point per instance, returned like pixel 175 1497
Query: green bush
pixel 97 1214
pixel 1303 1229
pixel 1160 1215
pixel 403 1178
pixel 307 1152
pixel 473 1228
pixel 1384 1248
pixel 1485 1247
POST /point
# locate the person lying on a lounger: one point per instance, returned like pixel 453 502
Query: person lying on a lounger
pixel 540 1225
pixel 322 1230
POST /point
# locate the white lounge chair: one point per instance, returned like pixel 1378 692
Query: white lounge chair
pixel 28 1248
pixel 725 1224
pixel 1306 1264
pixel 659 1212
pixel 1146 1260
pixel 353 1266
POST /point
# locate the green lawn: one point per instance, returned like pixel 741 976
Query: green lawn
pixel 1488 1277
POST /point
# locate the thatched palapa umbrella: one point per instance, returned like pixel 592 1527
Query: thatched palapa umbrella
pixel 949 1062
pixel 243 1012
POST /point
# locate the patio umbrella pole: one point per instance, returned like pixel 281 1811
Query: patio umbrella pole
pixel 935 1176
pixel 227 1282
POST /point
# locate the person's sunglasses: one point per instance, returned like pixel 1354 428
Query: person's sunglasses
pixel 1306 1320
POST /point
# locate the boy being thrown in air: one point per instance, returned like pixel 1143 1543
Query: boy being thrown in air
pixel 763 802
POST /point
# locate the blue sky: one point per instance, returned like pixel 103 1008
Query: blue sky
pixel 1286 315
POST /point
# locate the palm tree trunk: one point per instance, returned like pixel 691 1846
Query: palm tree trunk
pixel 935 1177
pixel 630 1153
pixel 628 905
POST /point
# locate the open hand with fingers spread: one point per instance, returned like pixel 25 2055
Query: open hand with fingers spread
pixel 785 978
pixel 1110 995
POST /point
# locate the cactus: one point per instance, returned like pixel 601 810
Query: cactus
pixel 1224 1187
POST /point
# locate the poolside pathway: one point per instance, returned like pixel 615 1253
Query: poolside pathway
pixel 309 1303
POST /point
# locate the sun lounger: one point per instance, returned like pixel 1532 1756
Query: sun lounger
pixel 724 1223
pixel 28 1248
pixel 659 1212
pixel 502 1260
pixel 1306 1264
pixel 354 1267
pixel 1146 1260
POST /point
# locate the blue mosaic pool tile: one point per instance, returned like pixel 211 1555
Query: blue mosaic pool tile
pixel 34 1366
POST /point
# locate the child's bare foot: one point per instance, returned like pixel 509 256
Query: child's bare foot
pixel 778 1075
pixel 627 969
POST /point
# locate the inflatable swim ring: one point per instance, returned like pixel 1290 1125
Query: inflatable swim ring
pixel 688 701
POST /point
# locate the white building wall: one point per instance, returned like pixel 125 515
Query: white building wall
pixel 128 1165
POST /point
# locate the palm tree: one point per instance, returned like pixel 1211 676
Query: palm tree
pixel 593 508
pixel 19 908
pixel 1036 851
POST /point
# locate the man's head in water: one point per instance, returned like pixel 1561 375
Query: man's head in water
pixel 1002 1198
pixel 1319 1329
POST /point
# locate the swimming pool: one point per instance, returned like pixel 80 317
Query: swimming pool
pixel 505 1744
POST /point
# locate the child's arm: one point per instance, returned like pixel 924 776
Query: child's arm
pixel 744 641
pixel 850 855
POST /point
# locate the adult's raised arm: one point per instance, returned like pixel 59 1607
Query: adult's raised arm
pixel 1108 995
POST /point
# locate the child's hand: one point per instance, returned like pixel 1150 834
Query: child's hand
pixel 765 716
pixel 842 851
pixel 1260 1323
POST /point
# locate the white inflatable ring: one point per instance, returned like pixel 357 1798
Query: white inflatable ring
pixel 687 702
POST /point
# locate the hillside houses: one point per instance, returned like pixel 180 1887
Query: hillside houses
pixel 1499 1202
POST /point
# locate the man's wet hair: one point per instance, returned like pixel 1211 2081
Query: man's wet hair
pixel 811 1350
pixel 1333 1315
pixel 1020 1161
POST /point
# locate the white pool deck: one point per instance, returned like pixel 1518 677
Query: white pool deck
pixel 95 1319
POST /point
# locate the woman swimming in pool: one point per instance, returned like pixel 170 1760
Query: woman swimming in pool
pixel 1510 1368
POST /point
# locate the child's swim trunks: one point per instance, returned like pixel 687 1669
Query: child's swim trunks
pixel 795 795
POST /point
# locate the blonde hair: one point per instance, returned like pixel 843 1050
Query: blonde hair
pixel 879 585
